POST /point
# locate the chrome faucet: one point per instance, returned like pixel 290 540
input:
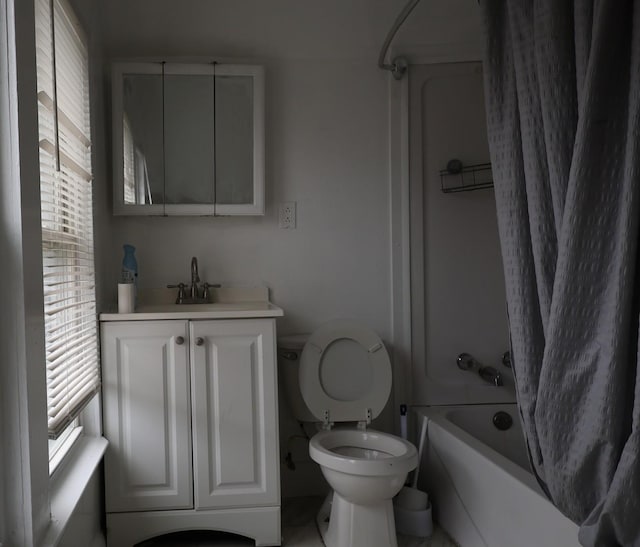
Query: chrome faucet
pixel 465 361
pixel 195 278
pixel 195 297
pixel 491 375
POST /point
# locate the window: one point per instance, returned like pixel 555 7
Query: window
pixel 71 339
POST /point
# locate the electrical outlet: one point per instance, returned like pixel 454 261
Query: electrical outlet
pixel 287 215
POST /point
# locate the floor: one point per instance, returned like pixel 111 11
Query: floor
pixel 298 529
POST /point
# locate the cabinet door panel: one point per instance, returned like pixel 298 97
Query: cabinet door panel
pixel 235 413
pixel 146 416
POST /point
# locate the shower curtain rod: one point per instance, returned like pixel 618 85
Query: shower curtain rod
pixel 399 65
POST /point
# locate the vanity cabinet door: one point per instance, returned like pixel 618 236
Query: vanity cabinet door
pixel 235 432
pixel 145 385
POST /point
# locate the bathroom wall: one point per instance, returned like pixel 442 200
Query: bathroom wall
pixel 327 149
pixel 85 526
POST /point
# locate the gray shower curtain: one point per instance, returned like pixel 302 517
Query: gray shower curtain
pixel 562 83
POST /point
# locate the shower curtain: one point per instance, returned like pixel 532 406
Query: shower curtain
pixel 562 81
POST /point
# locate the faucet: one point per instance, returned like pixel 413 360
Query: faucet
pixel 195 278
pixel 194 291
pixel 466 361
pixel 491 375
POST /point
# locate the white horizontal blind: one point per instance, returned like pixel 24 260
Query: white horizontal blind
pixel 71 339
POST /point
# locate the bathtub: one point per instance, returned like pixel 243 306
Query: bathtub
pixel 480 482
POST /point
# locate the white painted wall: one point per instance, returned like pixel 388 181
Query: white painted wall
pixel 85 526
pixel 327 148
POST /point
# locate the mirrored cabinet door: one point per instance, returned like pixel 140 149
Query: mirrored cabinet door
pixel 189 123
pixel 239 140
pixel 138 150
pixel 188 139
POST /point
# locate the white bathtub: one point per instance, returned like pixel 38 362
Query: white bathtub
pixel 480 482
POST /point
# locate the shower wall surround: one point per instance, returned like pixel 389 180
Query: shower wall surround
pixel 457 280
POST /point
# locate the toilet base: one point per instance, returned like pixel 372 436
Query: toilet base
pixel 345 524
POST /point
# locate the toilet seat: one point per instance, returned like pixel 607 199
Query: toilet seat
pixel 394 454
pixel 345 373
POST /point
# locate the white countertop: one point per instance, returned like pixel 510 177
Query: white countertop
pixel 238 310
pixel 233 306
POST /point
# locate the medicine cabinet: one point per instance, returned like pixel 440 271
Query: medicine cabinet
pixel 188 139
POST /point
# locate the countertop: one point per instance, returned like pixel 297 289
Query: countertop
pixel 229 303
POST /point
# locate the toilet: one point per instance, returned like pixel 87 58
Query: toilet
pixel 339 377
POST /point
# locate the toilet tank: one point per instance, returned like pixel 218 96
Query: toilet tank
pixel 289 352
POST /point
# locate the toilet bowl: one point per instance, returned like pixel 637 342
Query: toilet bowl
pixel 341 374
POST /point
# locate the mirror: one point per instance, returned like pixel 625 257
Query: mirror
pixel 188 139
pixel 234 154
pixel 143 169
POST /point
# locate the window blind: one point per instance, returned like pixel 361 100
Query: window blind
pixel 71 338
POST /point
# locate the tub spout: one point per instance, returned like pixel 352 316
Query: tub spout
pixel 491 375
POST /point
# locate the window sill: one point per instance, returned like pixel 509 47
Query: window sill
pixel 69 482
pixel 61 451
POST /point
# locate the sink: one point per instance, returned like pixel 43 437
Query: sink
pixel 172 308
pixel 203 308
pixel 228 303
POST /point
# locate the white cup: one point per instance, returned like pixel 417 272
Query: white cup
pixel 126 297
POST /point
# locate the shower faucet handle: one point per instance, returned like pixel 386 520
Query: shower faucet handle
pixel 466 361
pixel 491 375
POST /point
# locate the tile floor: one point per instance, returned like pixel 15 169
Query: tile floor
pixel 298 529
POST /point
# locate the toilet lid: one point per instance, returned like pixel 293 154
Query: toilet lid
pixel 345 372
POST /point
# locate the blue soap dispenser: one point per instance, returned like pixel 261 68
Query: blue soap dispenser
pixel 129 266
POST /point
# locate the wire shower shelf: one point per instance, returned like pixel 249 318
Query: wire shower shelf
pixel 459 178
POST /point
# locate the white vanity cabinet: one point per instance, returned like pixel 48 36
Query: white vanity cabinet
pixel 190 411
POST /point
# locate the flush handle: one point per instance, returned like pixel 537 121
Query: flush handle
pixel 199 341
pixel 179 340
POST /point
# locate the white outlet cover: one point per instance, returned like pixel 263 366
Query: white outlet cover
pixel 287 215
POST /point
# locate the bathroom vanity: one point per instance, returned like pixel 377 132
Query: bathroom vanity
pixel 190 412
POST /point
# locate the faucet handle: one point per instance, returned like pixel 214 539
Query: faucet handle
pixel 491 375
pixel 465 361
pixel 205 289
pixel 181 287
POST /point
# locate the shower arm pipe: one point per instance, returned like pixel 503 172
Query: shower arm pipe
pixel 398 66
